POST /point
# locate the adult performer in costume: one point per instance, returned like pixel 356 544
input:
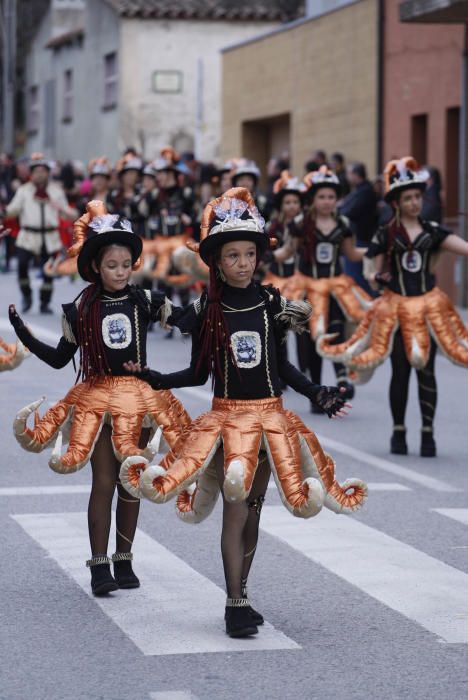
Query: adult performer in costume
pixel 412 317
pixel 319 238
pixel 107 412
pixel 238 330
pixel 38 205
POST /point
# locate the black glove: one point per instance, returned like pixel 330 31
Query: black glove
pixel 330 399
pixel 15 319
pixel 383 279
pixel 152 377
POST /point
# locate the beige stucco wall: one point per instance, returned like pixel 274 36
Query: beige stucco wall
pixel 150 119
pixel 322 71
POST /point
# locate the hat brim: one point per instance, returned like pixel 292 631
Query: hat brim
pixel 236 176
pixel 396 191
pixel 312 191
pixel 94 244
pixel 210 244
pixel 279 196
pixel 39 165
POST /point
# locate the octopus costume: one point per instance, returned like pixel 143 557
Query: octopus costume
pixel 242 330
pixel 109 329
pixel 247 410
pixel 334 297
pixel 11 355
pixel 411 318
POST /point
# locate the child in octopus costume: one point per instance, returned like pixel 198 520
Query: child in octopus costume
pixel 318 238
pixel 238 330
pixel 412 317
pixel 109 415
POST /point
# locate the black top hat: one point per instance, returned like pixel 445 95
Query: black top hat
pixel 231 217
pixel 318 179
pixel 105 230
pixel 403 174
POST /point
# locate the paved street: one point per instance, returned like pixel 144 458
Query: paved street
pixel 367 606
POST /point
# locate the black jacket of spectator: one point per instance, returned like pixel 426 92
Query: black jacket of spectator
pixel 360 208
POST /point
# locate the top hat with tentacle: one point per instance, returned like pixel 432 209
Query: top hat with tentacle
pixel 245 167
pixel 323 177
pixel 97 229
pixel 403 174
pixel 286 184
pixel 231 217
pixel 129 162
pixel 99 166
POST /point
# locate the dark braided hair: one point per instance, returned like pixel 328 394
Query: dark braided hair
pixel 214 331
pixel 309 238
pixel 93 359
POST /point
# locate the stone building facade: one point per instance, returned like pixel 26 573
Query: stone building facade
pixel 324 70
pixel 134 72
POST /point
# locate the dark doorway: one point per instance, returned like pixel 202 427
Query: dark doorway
pixel 452 151
pixel 419 138
pixel 263 139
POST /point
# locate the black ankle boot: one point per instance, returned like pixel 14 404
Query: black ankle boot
pixel 398 444
pixel 26 303
pixel 123 572
pixel 239 621
pixel 257 617
pixel 428 445
pixel 102 581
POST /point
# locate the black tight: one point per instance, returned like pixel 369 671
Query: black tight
pixel 239 534
pixel 427 386
pixel 308 357
pixel 105 468
pixel 24 259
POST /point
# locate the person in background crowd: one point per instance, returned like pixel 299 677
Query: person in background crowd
pixel 432 201
pixel 38 204
pixel 247 174
pixel 384 209
pixel 125 199
pixel 7 172
pixel 337 164
pixel 359 206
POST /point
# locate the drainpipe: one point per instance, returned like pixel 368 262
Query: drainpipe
pixel 380 85
pixel 463 168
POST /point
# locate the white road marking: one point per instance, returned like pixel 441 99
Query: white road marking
pixel 39 331
pixel 44 490
pixel 458 514
pixel 359 455
pixel 385 465
pixel 176 610
pixel 420 587
pixel 173 695
pixel 371 485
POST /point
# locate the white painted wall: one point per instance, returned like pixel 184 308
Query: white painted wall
pixel 143 118
pixel 148 46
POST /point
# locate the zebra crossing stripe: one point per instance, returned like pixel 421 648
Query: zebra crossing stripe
pixel 458 514
pixel 420 587
pixel 176 610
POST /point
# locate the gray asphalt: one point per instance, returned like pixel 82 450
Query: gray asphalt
pixel 56 643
